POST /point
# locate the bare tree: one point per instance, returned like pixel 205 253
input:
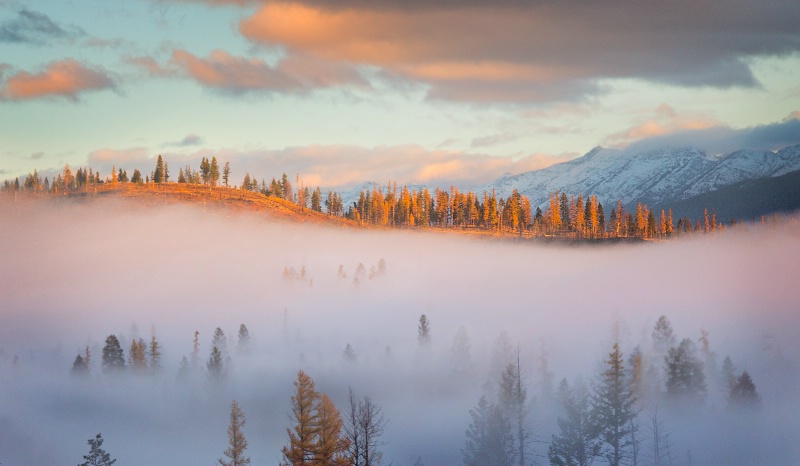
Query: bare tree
pixel 364 428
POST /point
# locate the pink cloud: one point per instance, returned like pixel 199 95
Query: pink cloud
pixel 662 121
pixel 231 74
pixel 66 78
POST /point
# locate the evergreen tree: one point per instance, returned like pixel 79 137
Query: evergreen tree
pixel 613 408
pixel 113 356
pixel 489 438
pixel 243 345
pixel 137 177
pixel 158 174
pixel 154 352
pixel 303 434
pixel 214 366
pixel 79 367
pixel 136 356
pixel 684 371
pixel 213 172
pixel 181 177
pixel 743 392
pixel 97 456
pixel 578 442
pixel 463 369
pixel 226 173
pixel 512 397
pixel 424 331
pixel 220 341
pixel 348 355
pixel 237 443
pixel 205 170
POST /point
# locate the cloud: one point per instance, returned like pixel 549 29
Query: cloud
pixel 104 159
pixel 37 155
pixel 492 140
pixel 65 78
pixel 188 141
pixel 535 51
pixel 724 139
pixel 35 28
pixel 346 166
pixel 230 74
pixel 662 121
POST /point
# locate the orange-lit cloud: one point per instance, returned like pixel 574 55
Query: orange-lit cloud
pixel 663 121
pixel 66 78
pixel 516 50
pixel 227 73
pixel 341 166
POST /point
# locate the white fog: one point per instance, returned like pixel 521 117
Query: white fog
pixel 73 274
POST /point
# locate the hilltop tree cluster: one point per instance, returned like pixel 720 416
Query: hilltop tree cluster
pixel 582 217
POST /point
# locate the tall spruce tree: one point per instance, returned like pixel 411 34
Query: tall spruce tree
pixel 97 456
pixel 237 443
pixel 512 397
pixel 685 374
pixel 424 331
pixel 113 356
pixel 215 366
pixel 614 408
pixel 489 438
pixel 578 442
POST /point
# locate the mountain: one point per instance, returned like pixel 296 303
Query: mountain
pixel 653 177
pixel 745 200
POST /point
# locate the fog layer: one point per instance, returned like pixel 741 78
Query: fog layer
pixel 72 274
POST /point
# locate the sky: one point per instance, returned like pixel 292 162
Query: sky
pixel 344 92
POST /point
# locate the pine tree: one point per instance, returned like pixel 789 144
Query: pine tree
pixel 158 174
pixel 79 367
pixel 685 375
pixel 489 439
pixel 97 456
pixel 237 443
pixel 348 355
pixel 613 407
pixel 214 366
pixel 243 345
pixel 303 434
pixel 154 351
pixel 136 356
pixel 213 172
pixel 226 173
pixel 743 392
pixel 113 356
pixel 512 397
pixel 578 442
pixel 424 331
pixel 220 341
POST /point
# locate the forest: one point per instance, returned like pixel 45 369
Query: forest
pixel 570 216
pixel 174 335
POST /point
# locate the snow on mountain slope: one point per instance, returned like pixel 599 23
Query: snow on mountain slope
pixel 651 177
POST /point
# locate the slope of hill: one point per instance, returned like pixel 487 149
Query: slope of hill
pixel 655 177
pixel 745 200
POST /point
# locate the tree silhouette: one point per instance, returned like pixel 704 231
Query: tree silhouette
pixel 97 456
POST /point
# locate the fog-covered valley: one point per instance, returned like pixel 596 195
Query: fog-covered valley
pixel 73 274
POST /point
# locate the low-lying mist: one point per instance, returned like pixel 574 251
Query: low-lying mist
pixel 74 273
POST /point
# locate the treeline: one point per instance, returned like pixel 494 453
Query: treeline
pixel 565 216
pixel 613 417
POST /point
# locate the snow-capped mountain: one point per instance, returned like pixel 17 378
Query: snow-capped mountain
pixel 652 177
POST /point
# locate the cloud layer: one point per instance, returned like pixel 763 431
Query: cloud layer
pixel 538 51
pixel 65 79
pixel 35 28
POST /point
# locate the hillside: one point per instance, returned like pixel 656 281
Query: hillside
pixel 210 198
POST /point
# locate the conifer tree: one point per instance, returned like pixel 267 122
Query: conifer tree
pixel 87 359
pixel 158 174
pixel 424 331
pixel 136 356
pixel 79 367
pixel 348 355
pixel 237 443
pixel 213 171
pixel 303 434
pixel 489 439
pixel 613 406
pixel 578 442
pixel 154 351
pixel 226 173
pixel 214 366
pixel 243 345
pixel 684 371
pixel 331 443
pixel 743 392
pixel 97 456
pixel 113 356
pixel 220 341
pixel 512 397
